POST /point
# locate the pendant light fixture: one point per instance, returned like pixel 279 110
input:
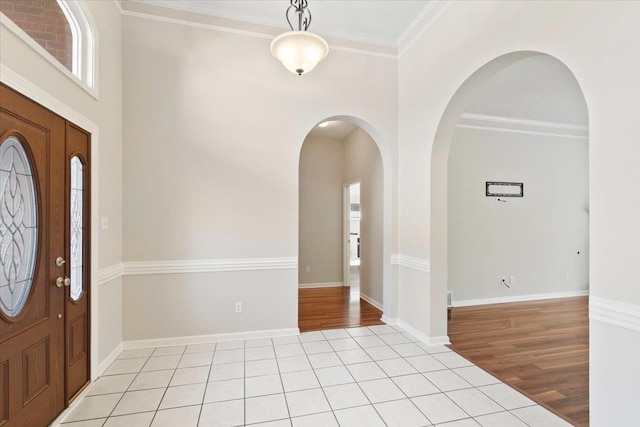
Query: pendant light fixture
pixel 299 51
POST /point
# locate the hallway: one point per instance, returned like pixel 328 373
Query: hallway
pixel 328 308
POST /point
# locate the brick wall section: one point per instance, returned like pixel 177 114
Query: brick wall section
pixel 44 21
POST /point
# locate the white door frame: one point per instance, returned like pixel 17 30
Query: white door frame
pixel 40 96
pixel 346 228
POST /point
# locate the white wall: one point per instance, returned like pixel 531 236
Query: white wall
pixel 535 238
pixel 105 115
pixel 320 236
pixel 600 43
pixel 213 127
pixel 362 163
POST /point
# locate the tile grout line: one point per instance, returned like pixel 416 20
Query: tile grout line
pixel 358 384
pixel 333 351
pixel 168 384
pixel 206 384
pixel 284 392
pixel 391 379
pixel 306 355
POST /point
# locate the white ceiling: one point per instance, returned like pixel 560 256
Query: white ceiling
pixel 337 130
pixel 537 88
pixel 381 22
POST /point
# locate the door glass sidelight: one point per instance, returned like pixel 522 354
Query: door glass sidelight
pixel 18 227
pixel 76 228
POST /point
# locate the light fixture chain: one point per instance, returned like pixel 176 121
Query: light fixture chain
pixel 301 9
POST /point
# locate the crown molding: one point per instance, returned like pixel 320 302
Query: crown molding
pixel 525 126
pixel 421 24
pixel 234 23
pixel 512 121
pixel 204 8
pixel 118 5
pixel 178 21
pixel 413 27
pixel 211 10
pixel 222 24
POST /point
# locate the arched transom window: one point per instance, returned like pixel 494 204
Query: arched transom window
pixel 61 28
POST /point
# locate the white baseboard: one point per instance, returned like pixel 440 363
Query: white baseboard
pixel 389 321
pixel 615 313
pixel 371 301
pixel 320 285
pixel 442 340
pixel 108 361
pixel 203 339
pixel 67 411
pixel 519 298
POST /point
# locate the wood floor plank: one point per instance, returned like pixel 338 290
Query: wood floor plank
pixel 540 348
pixel 328 308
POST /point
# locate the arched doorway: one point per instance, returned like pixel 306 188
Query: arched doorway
pixel 349 151
pixel 458 124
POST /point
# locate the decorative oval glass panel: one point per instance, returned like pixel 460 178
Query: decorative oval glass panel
pixel 77 220
pixel 18 227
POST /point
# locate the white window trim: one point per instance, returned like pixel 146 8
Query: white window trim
pixel 84 44
pixel 84 40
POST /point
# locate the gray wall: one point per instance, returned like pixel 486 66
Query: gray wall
pixel 534 238
pixel 320 237
pixel 211 164
pixel 362 162
pixel 325 166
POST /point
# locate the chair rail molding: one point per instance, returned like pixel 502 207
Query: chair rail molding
pixel 615 313
pixel 107 274
pixel 137 268
pixel 419 264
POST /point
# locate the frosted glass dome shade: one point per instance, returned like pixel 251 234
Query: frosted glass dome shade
pixel 299 51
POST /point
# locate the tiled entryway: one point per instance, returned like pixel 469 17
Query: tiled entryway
pixel 370 376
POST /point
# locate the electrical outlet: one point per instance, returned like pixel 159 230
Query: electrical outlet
pixel 307 269
pixel 238 307
pixel 104 222
pixel 566 275
pixel 512 280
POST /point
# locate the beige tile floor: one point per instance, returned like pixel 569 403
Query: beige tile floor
pixel 375 376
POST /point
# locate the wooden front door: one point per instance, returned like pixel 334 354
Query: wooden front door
pixel 77 256
pixel 40 324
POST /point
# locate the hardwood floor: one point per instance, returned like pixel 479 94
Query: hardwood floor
pixel 326 308
pixel 540 348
